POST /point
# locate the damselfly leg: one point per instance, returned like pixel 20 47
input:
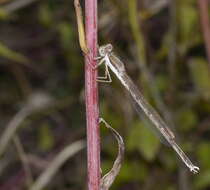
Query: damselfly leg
pixel 107 77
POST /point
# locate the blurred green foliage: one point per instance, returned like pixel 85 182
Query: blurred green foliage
pixel 142 140
pixel 188 17
pixel 188 119
pixel 12 55
pixel 46 138
pixel 200 76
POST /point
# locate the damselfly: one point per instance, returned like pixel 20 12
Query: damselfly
pixel 117 66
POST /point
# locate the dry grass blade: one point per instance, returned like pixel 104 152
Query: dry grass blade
pixel 53 167
pixel 24 160
pixel 12 55
pixel 109 178
pixel 80 25
pixel 35 102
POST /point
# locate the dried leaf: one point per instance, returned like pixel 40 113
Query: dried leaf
pixel 109 178
pixel 80 25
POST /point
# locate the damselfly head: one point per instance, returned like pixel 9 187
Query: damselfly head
pixel 105 49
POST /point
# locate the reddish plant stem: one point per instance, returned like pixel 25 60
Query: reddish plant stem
pixel 91 95
pixel 204 19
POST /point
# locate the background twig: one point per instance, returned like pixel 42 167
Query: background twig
pixel 204 19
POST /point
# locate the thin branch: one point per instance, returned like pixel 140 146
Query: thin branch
pixel 16 5
pixel 204 19
pixel 11 129
pixel 147 76
pixel 24 160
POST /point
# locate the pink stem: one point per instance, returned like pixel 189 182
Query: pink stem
pixel 91 90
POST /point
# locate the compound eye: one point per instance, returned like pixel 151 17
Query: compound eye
pixel 109 47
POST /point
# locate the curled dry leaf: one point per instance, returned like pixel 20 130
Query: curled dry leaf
pixel 80 26
pixel 108 179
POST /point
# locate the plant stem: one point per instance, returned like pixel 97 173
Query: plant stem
pixel 91 95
